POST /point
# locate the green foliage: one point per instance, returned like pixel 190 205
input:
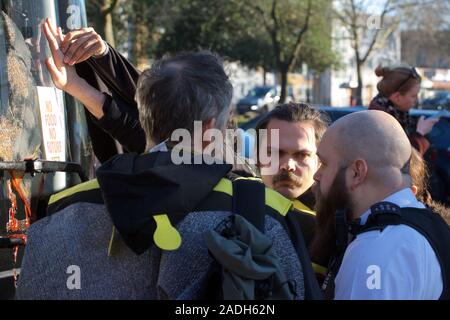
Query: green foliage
pixel 199 24
pixel 256 33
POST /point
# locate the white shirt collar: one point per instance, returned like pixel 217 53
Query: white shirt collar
pixel 403 198
pixel 162 147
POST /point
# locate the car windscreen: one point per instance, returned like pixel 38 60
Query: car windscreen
pixel 258 92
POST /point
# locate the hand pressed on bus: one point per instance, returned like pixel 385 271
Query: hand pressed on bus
pixel 65 76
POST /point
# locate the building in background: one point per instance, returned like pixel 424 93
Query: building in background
pixel 335 87
pixel 429 52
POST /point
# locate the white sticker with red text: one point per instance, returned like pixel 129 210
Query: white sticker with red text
pixel 53 124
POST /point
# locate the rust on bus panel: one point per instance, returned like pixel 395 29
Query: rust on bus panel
pixel 14 225
pixel 20 136
pixel 17 190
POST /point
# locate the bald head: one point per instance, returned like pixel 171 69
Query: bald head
pixel 374 136
pixel 365 158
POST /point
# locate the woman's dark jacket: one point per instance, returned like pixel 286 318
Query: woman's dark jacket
pixel 417 140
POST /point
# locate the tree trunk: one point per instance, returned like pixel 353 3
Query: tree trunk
pixel 359 88
pixel 101 20
pixel 264 76
pixel 140 37
pixel 108 29
pixel 131 39
pixel 96 21
pixel 284 78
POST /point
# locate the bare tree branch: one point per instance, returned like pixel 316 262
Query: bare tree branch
pixel 274 35
pixel 261 13
pixel 298 43
pixel 108 6
pixel 377 32
pixel 340 17
pixel 354 30
pixel 274 15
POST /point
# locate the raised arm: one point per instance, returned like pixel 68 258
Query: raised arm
pixel 116 111
pixel 65 77
pixel 86 47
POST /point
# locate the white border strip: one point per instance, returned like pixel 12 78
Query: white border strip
pixel 9 273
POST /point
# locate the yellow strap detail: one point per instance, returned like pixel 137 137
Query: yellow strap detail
pixel 225 186
pixel 166 237
pixel 111 241
pixel 319 269
pixel 273 199
pixel 302 207
pixel 249 178
pixel 277 202
pixel 86 186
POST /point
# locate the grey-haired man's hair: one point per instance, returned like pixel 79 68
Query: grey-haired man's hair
pixel 178 90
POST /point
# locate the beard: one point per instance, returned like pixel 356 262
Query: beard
pixel 323 245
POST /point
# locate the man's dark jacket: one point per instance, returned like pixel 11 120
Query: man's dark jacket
pixel 79 238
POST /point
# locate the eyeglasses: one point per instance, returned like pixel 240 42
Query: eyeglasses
pixel 412 75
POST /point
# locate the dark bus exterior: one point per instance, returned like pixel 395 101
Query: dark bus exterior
pixel 44 142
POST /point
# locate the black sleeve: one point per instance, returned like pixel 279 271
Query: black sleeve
pixel 118 74
pixel 116 77
pixel 121 121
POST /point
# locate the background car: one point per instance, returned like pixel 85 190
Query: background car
pixel 441 100
pixel 259 99
pixel 437 157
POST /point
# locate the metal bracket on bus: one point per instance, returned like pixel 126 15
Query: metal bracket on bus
pixel 6 242
pixel 43 166
pixel 32 167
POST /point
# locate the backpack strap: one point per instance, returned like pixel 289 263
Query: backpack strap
pixel 428 223
pixel 383 214
pixel 342 229
pixel 312 289
pixel 255 210
pixel 84 192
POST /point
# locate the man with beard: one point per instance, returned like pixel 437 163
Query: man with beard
pixel 300 129
pixel 364 175
pixel 130 229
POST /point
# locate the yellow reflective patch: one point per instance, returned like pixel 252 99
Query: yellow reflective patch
pixel 225 186
pixel 273 199
pixel 319 269
pixel 166 237
pixel 302 207
pixel 86 186
pixel 277 202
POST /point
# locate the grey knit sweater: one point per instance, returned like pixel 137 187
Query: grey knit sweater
pixel 79 236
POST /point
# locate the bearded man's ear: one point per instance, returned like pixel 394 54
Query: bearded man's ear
pixel 358 175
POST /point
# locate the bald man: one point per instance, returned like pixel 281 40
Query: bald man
pixel 364 161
